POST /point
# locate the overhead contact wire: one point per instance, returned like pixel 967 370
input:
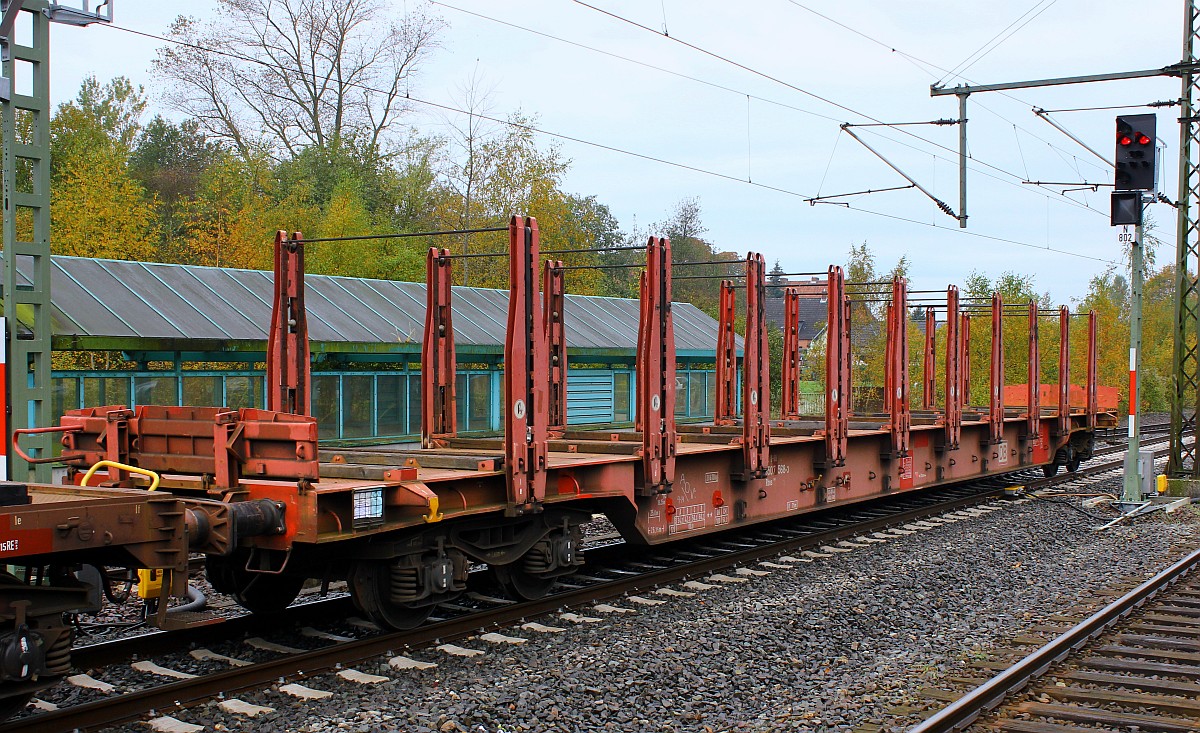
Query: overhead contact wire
pixel 601 146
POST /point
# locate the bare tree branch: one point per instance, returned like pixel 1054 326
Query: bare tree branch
pixel 296 73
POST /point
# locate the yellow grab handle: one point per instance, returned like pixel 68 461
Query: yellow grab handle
pixel 124 467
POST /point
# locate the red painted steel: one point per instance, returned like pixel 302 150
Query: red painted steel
pixel 439 416
pixel 725 409
pixel 1033 418
pixel 837 370
pixel 756 381
pixel 656 372
pixel 996 383
pixel 956 371
pixel 929 378
pixel 790 392
pixel 1064 370
pixel 223 444
pixel 639 418
pixel 965 352
pixel 896 366
pixel 1092 377
pixel 289 364
pixel 553 302
pixel 525 373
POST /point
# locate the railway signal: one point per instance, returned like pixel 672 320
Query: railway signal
pixel 1135 168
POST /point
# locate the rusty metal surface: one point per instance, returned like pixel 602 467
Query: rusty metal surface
pixel 289 361
pixel 438 384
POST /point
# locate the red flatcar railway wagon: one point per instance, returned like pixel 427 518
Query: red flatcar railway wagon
pixel 59 545
pixel 402 523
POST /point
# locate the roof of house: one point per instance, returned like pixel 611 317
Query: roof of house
pixel 814 312
pixel 147 306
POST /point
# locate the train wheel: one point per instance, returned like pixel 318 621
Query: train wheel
pixel 1073 465
pixel 521 584
pixel 1049 470
pixel 371 589
pixel 264 593
pixel 255 592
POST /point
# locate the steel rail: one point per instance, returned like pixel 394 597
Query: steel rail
pixel 186 693
pixel 961 713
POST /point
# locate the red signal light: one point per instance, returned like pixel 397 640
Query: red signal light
pixel 1142 139
pixel 1124 140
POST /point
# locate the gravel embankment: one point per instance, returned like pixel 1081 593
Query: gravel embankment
pixel 830 645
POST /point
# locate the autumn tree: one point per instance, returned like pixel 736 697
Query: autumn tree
pixel 100 209
pixel 281 76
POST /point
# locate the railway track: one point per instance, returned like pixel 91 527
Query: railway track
pixel 612 572
pixel 1132 665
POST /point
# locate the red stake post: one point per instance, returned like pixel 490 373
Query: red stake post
pixel 1033 378
pixel 656 371
pixel 896 358
pixel 525 373
pixel 965 357
pixel 791 355
pixel 837 371
pixel 956 369
pixel 996 398
pixel 289 370
pixel 439 417
pixel 929 378
pixel 554 301
pixel 1093 402
pixel 756 381
pixel 1064 370
pixel 726 405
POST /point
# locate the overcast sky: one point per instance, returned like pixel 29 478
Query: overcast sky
pixel 876 58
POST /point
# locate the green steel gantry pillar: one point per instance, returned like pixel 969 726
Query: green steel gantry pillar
pixel 1186 383
pixel 26 186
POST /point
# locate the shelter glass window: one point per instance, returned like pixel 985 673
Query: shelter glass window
pixel 621 397
pixel 244 392
pixel 393 404
pixel 681 395
pixel 697 404
pixel 65 396
pixel 105 391
pixel 202 391
pixel 357 404
pixel 481 401
pixel 414 404
pixel 326 389
pixel 156 390
pixel 462 397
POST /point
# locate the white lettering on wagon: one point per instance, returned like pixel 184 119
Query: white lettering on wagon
pixel 10 545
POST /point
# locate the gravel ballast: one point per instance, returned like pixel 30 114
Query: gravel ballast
pixel 833 644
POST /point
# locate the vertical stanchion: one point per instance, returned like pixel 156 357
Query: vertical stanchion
pixel 837 371
pixel 554 301
pixel 1033 379
pixel 656 372
pixel 929 378
pixel 1092 386
pixel 726 367
pixel 955 369
pixel 289 365
pixel 996 383
pixel 756 381
pixel 439 416
pixel 790 391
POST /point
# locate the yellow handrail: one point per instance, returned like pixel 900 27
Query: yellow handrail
pixel 124 467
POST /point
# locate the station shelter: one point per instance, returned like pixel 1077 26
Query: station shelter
pixel 132 333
